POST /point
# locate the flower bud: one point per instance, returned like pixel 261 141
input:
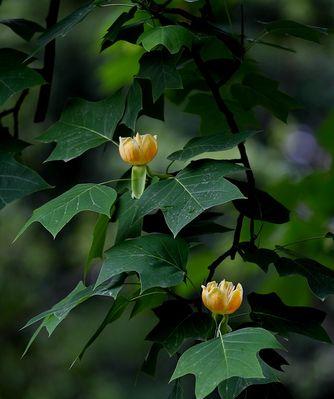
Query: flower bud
pixel 138 150
pixel 222 299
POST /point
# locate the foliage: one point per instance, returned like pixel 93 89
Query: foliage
pixel 148 259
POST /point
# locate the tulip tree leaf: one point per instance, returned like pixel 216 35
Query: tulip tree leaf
pixel 177 392
pixel 53 317
pixel 260 205
pixel 194 189
pixel 113 32
pixel 150 363
pixel 292 28
pixel 172 37
pixel 260 90
pixel 99 238
pixel 158 259
pixel 14 75
pixel 84 125
pixel 178 322
pixel 149 300
pixel 269 312
pixel 64 26
pixel 231 388
pixel 212 143
pixel 224 357
pixel 129 225
pixel 17 180
pixel 55 214
pixel 320 279
pixel 274 390
pixel 22 27
pixel 134 104
pixel 160 69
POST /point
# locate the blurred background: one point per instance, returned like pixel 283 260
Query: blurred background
pixel 292 162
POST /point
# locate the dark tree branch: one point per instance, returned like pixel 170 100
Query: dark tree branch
pixel 48 68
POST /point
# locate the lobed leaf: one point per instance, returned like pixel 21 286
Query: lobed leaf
pixel 84 125
pixel 224 357
pixel 17 180
pixel 159 260
pixel 55 214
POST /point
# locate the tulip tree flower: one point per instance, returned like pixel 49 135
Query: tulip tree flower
pixel 138 151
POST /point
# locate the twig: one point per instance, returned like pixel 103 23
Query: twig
pixel 49 62
pixel 15 111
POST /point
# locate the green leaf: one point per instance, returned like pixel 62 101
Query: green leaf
pixel 160 69
pixel 134 104
pixel 22 27
pixel 172 37
pixel 198 187
pixel 224 357
pixel 260 206
pixel 177 323
pixel 99 238
pixel 64 26
pixel 129 226
pixel 84 125
pixel 149 300
pixel 17 180
pixel 259 90
pixel 231 388
pixel 319 278
pixel 115 312
pixel 269 312
pixel 53 317
pixel 273 390
pixel 14 75
pixel 212 120
pixel 177 392
pixel 55 214
pixel 114 31
pixel 159 260
pixel 9 144
pixel 150 363
pixel 212 143
pixel 129 33
pixel 329 235
pixel 292 28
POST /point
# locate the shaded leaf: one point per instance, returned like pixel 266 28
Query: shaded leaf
pixel 55 214
pixel 129 226
pixel 134 104
pixel 64 26
pixel 22 27
pixel 319 278
pixel 150 363
pixel 17 180
pixel 269 312
pixel 14 75
pixel 260 90
pixel 99 238
pixel 231 388
pixel 261 206
pixel 292 28
pixel 158 259
pixel 177 323
pixel 212 143
pixel 150 299
pixel 177 392
pixel 172 37
pixel 84 125
pixel 113 32
pixel 9 144
pixel 265 391
pixel 160 69
pixel 231 355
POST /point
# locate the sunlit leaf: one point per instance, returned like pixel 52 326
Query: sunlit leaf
pixel 84 125
pixel 224 357
pixel 55 214
pixel 158 259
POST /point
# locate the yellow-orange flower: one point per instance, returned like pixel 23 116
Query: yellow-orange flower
pixel 223 298
pixel 138 150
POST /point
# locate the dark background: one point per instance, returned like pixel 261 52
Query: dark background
pixel 293 162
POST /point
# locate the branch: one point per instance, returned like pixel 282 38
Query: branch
pixel 48 68
pixel 15 111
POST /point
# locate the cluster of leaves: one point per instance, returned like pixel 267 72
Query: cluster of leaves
pixel 207 71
